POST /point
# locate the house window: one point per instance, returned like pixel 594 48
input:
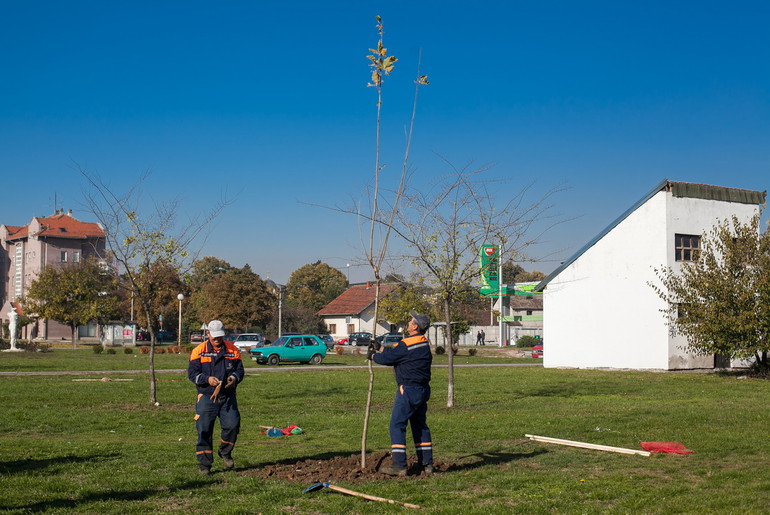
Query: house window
pixel 332 328
pixel 686 247
pixel 63 256
pixel 75 257
pixel 351 328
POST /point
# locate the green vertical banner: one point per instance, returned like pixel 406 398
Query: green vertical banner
pixel 489 261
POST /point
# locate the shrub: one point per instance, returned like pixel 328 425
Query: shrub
pixel 160 350
pixel 527 341
pixel 440 350
pixel 97 349
pixel 144 349
pixel 111 351
pixel 188 347
pixel 339 350
pixel 472 352
pixel 128 350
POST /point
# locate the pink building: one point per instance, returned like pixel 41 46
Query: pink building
pixel 45 241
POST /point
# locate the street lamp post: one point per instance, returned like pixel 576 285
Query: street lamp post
pixel 348 267
pixel 179 332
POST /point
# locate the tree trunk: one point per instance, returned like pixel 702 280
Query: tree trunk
pixel 450 398
pixel 153 397
pixel 368 408
pixel 73 328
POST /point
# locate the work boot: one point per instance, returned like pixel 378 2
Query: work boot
pixel 228 462
pixel 204 470
pixel 427 470
pixel 394 471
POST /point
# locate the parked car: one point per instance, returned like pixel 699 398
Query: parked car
pixel 305 348
pixel 360 339
pixel 327 339
pixel 537 351
pixel 165 336
pixel 390 339
pixel 342 341
pixel 197 337
pixel 248 341
pixel 230 337
pixel 143 336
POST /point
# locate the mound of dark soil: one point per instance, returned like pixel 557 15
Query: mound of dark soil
pixel 339 468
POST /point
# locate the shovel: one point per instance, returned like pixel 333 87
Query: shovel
pixel 318 486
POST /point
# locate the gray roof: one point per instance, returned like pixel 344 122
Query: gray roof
pixel 678 189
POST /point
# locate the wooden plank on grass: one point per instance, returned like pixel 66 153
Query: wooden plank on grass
pixel 584 445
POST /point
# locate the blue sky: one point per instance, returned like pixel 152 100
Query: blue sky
pixel 266 103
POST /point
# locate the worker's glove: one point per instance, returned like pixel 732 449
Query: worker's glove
pixel 371 351
pixel 230 382
pixel 377 345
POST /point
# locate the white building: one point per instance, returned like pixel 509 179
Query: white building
pixel 599 309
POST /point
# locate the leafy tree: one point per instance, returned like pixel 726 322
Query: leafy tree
pixel 167 285
pixel 204 269
pixel 721 302
pixel 237 296
pixel 144 244
pixel 75 294
pixel 297 319
pixel 515 273
pixel 396 306
pixel 315 285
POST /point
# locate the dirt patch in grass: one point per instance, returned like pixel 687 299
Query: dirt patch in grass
pixel 341 468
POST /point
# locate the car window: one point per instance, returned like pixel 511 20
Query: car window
pixel 295 342
pixel 309 340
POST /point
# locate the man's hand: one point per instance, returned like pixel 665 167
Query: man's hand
pixel 230 382
pixel 213 381
pixel 377 345
pixel 371 351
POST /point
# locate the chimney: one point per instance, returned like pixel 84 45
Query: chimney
pixel 69 212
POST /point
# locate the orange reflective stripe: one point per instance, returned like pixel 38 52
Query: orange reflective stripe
pixel 397 446
pixel 204 452
pixel 424 444
pixel 414 340
pixel 229 443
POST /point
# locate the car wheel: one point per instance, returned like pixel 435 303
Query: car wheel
pixel 316 359
pixel 273 360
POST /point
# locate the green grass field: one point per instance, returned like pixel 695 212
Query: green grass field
pixel 99 447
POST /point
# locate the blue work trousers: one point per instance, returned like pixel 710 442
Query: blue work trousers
pixel 206 413
pixel 410 406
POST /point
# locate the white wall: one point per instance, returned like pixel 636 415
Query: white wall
pixel 696 216
pixel 600 311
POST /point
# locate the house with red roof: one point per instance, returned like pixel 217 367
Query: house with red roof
pixel 26 250
pixel 353 311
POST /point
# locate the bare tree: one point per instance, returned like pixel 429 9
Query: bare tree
pixel 143 246
pixel 445 226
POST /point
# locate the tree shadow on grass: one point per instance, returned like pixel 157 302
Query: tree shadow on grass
pixel 483 459
pixel 112 495
pixel 29 465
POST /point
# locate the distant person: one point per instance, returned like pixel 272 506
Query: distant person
pixel 216 369
pixel 479 338
pixel 411 360
pixel 483 337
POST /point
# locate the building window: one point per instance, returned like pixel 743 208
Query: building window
pixel 63 256
pixel 686 247
pixel 351 328
pixel 75 257
pixel 332 328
